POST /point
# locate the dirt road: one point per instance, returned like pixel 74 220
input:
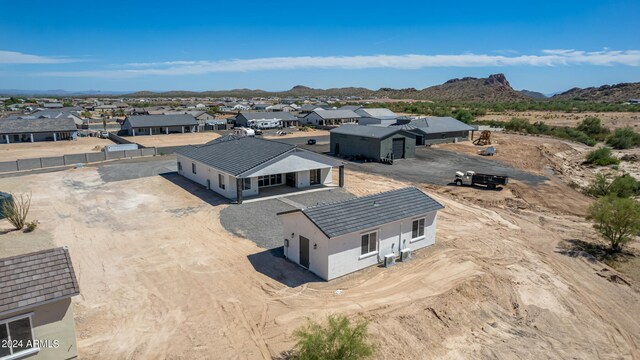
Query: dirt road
pixel 161 278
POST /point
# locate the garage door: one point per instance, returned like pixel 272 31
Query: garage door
pixel 398 148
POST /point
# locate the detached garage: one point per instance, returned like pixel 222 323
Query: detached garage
pixel 372 142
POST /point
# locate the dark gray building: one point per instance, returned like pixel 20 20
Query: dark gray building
pixel 435 130
pixel 372 142
pixel 159 124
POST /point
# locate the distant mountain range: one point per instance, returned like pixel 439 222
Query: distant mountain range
pixel 494 88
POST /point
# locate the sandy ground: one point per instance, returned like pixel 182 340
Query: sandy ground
pixel 161 278
pixel 297 134
pixel 28 150
pixel 609 119
pixel 174 139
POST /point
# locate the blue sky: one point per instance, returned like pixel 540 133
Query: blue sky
pixel 545 46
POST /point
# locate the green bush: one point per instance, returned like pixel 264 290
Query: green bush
pixel 602 157
pixel 31 225
pixel 617 219
pixel 621 186
pixel 624 138
pixel 337 340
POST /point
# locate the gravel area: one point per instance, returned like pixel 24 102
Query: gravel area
pixel 258 222
pixel 137 168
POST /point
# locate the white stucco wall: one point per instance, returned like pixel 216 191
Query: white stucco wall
pixel 341 255
pixel 204 172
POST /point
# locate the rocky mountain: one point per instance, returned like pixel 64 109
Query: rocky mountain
pixel 532 94
pixel 616 93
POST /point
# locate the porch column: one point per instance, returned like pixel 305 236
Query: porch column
pixel 133 131
pixel 183 129
pixel 55 138
pixel 341 175
pixel 6 138
pixel 31 136
pixel 150 131
pixel 239 190
pixel 166 130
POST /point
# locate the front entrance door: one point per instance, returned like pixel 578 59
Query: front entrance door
pixel 291 179
pixel 304 251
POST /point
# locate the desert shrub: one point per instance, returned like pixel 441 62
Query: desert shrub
pixel 602 157
pixel 624 138
pixel 517 124
pixel 624 186
pixel 16 209
pixel 463 115
pixel 600 185
pixel 337 340
pixel 616 219
pixel 31 225
pixel 592 126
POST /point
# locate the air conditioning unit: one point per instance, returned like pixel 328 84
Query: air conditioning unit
pixel 389 260
pixel 405 254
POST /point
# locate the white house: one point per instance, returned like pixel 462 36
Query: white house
pixel 236 167
pixel 332 240
pixel 321 117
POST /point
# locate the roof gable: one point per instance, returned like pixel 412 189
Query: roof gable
pixel 36 278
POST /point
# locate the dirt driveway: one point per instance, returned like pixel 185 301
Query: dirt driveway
pixel 27 150
pixel 160 278
pixel 174 139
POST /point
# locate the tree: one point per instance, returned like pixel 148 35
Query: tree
pixel 616 219
pixel 591 126
pixel 463 115
pixel 337 340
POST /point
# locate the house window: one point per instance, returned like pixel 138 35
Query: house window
pixel 417 229
pixel 314 177
pixel 269 180
pixel 368 243
pixel 179 166
pixel 16 337
pixel 246 184
pixel 221 181
pixel 193 168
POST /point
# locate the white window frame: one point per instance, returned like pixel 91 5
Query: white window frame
pixel 419 237
pixel 368 233
pixel 22 353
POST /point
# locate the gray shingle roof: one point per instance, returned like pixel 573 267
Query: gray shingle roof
pixel 337 114
pixel 376 132
pixel 366 212
pixel 260 115
pixel 235 155
pixel 22 126
pixel 35 278
pixel 378 113
pixel 433 125
pixel 138 121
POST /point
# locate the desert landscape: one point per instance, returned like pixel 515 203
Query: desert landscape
pixel 162 278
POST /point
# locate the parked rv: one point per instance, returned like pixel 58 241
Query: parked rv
pixel 241 131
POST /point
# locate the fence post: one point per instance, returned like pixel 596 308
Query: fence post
pixel 86 158
pixel 41 163
pixel 18 165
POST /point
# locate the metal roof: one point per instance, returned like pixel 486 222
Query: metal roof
pixel 348 216
pixel 32 279
pixel 433 125
pixel 378 113
pixel 376 132
pixel 268 115
pixel 24 126
pixel 336 114
pixel 235 155
pixel 141 121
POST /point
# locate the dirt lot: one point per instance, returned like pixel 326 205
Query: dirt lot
pixel 174 139
pixel 609 119
pixel 9 152
pixel 161 278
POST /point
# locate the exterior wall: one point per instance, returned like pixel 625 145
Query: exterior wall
pixel 365 120
pixel 299 225
pixel 386 146
pixel 341 255
pixel 205 172
pixel 50 322
pixel 351 145
pixel 448 137
pixel 26 137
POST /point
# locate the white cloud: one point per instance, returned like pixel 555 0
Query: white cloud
pixel 554 57
pixel 13 57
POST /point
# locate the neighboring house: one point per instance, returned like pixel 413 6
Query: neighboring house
pixel 52 105
pixel 372 142
pixel 35 305
pixel 308 108
pixel 353 108
pixel 634 101
pixel 159 124
pixel 260 106
pixel 335 239
pixel 436 130
pixel 281 107
pixel 377 116
pixel 266 119
pixel 42 129
pixel 321 117
pixel 237 167
pixel 70 112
